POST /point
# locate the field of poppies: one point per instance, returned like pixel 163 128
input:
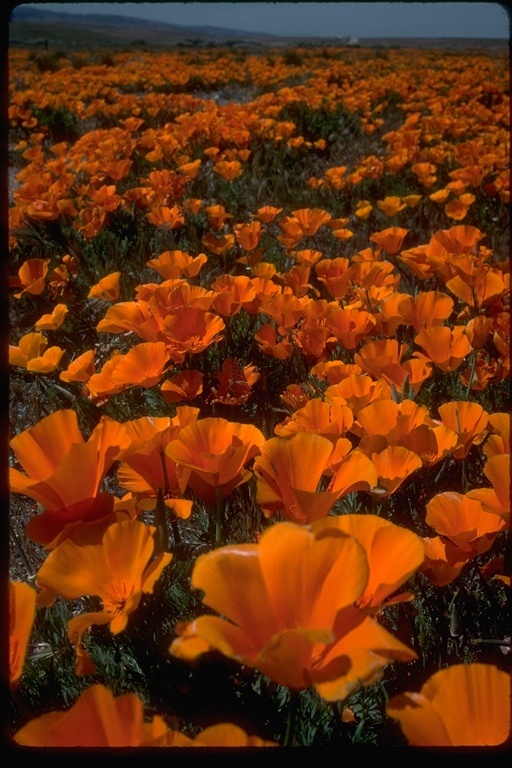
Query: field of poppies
pixel 259 383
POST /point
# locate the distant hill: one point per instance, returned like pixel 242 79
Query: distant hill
pixel 25 18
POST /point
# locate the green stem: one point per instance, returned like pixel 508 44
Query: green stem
pixel 291 721
pixel 174 524
pixel 219 519
pixel 471 375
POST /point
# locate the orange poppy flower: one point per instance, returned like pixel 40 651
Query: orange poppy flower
pixel 268 342
pixel 215 452
pixel 382 358
pixel 390 240
pixel 391 205
pixel 430 443
pixel 330 419
pixel 464 521
pixel 143 366
pixel 31 353
pixel 168 218
pixel 22 612
pixel 497 498
pixel 465 705
pixel 393 553
pixel 184 386
pixel 267 213
pixel 220 735
pixel 81 369
pixel 498 440
pixel 311 219
pixel 478 330
pixel 427 309
pixel 175 264
pixel 248 235
pixel 359 390
pixel 350 326
pixel 218 245
pixel 444 561
pixel 233 291
pixel 217 216
pixel 459 239
pixel 228 169
pixel 394 465
pixel 288 473
pixel 50 452
pixel 190 330
pixel 334 371
pixel 119 569
pixel 107 288
pixel 31 277
pixel 445 347
pixel 336 274
pixel 53 320
pixel 300 630
pixel 363 209
pixel 469 422
pixel 294 397
pixel 390 420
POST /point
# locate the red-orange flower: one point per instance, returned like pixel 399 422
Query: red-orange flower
pixel 50 453
pixel 468 420
pixel 464 521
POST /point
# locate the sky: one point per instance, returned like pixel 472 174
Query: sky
pixel 334 19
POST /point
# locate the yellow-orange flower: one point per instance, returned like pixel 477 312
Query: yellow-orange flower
pixel 303 630
pixel 466 705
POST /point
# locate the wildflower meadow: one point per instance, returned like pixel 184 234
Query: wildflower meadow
pixel 259 369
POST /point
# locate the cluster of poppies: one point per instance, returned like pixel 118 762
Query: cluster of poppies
pixel 358 337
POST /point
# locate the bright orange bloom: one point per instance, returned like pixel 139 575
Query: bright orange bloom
pixel 145 468
pixel 168 218
pixel 394 465
pixel 52 321
pixel 31 353
pixel 220 735
pixel 301 631
pixel 465 705
pixel 445 347
pixel 427 309
pixel 497 498
pixel 390 240
pixel 267 213
pixel 143 366
pixel 443 560
pixel 217 216
pixel 175 264
pixel 50 453
pixel 459 239
pixel 215 452
pixel 393 553
pixel 468 420
pixel 233 291
pixel 330 419
pixel 266 338
pixel 499 438
pixel 350 326
pixel 382 358
pixel 31 277
pixel 22 612
pixel 294 397
pixel 228 169
pixel 391 205
pixel 184 386
pixel 218 245
pixel 336 274
pixel 359 390
pixel 311 219
pixel 81 369
pixel 464 521
pixel 430 443
pixel 287 476
pixel 478 330
pixel 388 420
pixel 120 570
pixel 248 235
pixel 107 288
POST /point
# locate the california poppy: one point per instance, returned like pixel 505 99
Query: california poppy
pixel 350 326
pixel 184 386
pixel 120 570
pixel 50 452
pixel 53 320
pixel 107 288
pixel 301 631
pixel 32 354
pixel 215 451
pixel 31 277
pixel 464 521
pixel 468 420
pixel 445 347
pixel 288 473
pixel 465 705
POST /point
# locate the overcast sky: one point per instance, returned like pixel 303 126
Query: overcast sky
pixel 374 19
